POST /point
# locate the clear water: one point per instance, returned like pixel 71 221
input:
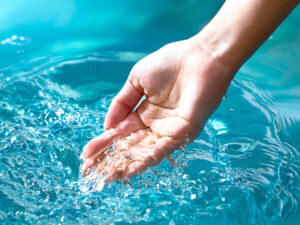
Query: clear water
pixel 60 66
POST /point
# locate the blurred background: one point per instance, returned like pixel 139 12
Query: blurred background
pixel 54 26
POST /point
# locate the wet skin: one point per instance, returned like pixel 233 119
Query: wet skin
pixel 183 85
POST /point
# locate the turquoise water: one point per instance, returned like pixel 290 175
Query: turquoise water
pixel 60 66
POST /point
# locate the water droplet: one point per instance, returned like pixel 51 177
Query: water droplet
pixel 193 196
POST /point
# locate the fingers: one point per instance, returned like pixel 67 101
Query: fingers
pixel 161 149
pixel 122 105
pixel 86 165
pixel 98 145
pixel 139 158
pixel 132 154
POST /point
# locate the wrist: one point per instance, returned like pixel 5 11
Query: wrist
pixel 220 48
pixel 240 27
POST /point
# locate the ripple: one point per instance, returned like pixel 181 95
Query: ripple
pixel 243 169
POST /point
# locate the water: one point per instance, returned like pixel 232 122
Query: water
pixel 55 88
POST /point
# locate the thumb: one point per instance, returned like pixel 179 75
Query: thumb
pixel 122 105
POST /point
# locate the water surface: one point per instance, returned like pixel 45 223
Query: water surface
pixel 55 89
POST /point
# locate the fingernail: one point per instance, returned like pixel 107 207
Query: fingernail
pixel 82 156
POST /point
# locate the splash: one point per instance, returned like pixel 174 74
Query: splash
pixel 243 167
pixel 135 153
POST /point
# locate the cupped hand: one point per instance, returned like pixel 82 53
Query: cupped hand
pixel 182 85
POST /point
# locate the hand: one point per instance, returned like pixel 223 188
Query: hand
pixel 182 85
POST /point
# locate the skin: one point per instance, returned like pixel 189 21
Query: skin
pixel 183 83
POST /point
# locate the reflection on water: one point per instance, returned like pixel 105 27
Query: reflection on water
pixel 61 65
pixel 16 40
pixel 243 169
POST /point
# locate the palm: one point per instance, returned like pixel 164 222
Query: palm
pixel 180 95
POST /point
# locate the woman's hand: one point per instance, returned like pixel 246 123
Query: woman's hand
pixel 182 85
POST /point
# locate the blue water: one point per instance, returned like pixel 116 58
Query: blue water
pixel 60 66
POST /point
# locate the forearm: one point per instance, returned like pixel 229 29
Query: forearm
pixel 240 27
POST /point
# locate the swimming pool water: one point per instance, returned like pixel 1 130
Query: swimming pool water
pixel 55 89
